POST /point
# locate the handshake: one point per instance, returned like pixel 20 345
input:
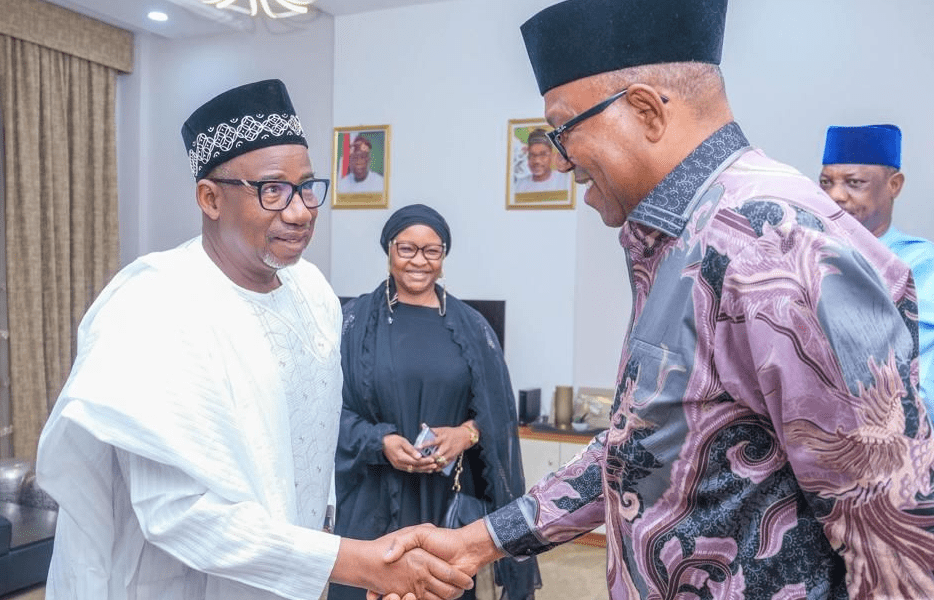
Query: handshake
pixel 422 562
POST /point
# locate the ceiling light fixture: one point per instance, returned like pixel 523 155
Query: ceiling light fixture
pixel 292 7
pixel 158 15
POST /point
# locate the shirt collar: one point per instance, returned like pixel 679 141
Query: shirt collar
pixel 669 205
pixel 891 234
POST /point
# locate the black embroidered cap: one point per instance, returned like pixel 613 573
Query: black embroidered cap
pixel 245 118
pixel 578 38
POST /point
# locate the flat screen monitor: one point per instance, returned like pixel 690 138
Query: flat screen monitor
pixel 494 311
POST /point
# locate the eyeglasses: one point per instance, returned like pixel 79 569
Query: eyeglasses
pixel 430 251
pixel 555 134
pixel 277 195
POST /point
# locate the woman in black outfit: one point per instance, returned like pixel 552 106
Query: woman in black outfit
pixel 412 355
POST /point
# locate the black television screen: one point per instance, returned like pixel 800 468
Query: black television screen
pixel 494 311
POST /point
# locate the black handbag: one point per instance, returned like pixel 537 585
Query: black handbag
pixel 464 508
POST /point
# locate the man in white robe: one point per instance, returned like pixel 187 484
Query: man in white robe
pixel 542 177
pixel 360 179
pixel 191 450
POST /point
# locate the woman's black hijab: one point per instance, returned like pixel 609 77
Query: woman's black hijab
pixel 415 214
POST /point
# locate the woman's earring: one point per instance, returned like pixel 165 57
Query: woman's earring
pixel 388 300
pixel 391 299
pixel 443 307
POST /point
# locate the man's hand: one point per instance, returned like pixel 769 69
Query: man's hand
pixel 412 570
pixel 466 549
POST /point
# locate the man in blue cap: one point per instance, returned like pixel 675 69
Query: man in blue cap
pixel 862 174
pixel 766 439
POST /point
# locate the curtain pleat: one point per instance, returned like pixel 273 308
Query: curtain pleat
pixel 61 216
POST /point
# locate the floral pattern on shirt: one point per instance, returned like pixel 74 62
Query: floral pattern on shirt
pixel 767 439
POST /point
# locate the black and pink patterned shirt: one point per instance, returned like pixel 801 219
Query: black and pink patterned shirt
pixel 767 441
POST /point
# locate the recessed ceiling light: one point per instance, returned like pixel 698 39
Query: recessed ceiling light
pixel 158 16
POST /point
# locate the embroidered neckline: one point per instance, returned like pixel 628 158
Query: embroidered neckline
pixel 669 205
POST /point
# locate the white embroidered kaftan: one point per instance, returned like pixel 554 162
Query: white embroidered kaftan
pixel 192 448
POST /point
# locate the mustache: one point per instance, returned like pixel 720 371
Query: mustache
pixel 292 233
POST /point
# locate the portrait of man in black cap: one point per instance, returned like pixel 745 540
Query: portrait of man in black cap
pixel 361 166
pixel 767 438
pixel 359 177
pixel 191 451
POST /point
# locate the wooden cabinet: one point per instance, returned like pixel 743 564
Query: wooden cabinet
pixel 544 452
pixel 541 457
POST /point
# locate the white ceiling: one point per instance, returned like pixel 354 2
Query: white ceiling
pixel 192 18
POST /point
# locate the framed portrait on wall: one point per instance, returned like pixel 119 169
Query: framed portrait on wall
pixel 532 181
pixel 360 171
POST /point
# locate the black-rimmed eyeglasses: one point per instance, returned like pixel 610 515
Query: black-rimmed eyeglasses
pixel 429 251
pixel 555 134
pixel 277 195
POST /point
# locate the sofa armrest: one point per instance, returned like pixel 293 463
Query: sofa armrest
pixel 6 534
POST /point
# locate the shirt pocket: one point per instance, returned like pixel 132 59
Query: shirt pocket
pixel 654 387
pixel 654 373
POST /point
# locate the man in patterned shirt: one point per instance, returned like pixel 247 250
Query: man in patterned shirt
pixel 767 440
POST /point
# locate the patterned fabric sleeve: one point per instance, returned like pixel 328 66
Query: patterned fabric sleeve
pixel 564 505
pixel 832 356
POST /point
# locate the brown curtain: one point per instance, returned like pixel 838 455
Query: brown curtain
pixel 61 215
pixel 6 427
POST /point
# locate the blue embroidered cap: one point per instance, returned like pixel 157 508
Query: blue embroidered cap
pixel 245 118
pixel 578 38
pixel 866 145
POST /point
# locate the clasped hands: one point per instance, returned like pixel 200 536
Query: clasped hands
pixel 442 562
pixel 450 442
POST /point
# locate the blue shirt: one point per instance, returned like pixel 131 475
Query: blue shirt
pixel 919 254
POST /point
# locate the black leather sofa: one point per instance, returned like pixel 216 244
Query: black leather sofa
pixel 27 527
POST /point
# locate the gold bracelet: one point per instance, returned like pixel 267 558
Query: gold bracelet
pixel 474 434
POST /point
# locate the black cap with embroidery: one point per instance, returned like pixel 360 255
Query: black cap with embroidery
pixel 248 117
pixel 579 38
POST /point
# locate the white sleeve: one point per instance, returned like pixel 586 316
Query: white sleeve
pixel 236 540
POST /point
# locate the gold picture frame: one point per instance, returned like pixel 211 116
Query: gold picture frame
pixel 360 167
pixel 532 181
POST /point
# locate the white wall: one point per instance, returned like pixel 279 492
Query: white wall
pixel 794 67
pixel 447 77
pixel 173 77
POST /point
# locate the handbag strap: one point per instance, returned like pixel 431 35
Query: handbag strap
pixel 457 473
